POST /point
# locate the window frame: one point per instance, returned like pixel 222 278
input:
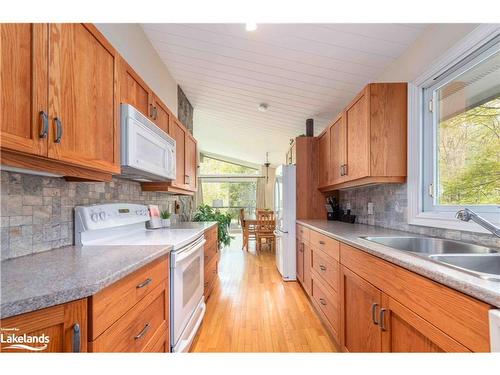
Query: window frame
pixel 422 142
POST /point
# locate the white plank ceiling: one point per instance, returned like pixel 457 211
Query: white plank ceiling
pixel 300 70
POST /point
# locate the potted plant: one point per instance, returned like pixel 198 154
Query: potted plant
pixel 165 218
pixel 207 213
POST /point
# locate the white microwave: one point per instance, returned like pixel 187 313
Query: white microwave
pixel 147 152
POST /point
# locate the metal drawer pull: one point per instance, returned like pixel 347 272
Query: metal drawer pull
pixel 374 313
pixel 322 267
pixel 322 301
pixel 59 130
pixel 151 113
pixel 321 242
pixel 143 332
pixel 144 283
pixel 382 317
pixel 45 122
pixel 76 338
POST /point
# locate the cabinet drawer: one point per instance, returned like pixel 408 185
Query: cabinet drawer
pixel 140 328
pixel 330 246
pixel 327 302
pixel 111 303
pixel 326 267
pixel 302 233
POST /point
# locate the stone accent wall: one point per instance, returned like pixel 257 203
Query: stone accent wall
pixel 184 110
pixel 37 212
pixel 390 207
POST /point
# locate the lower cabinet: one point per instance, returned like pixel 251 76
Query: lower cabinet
pixel 132 315
pixel 64 327
pixel 371 305
pixel 211 259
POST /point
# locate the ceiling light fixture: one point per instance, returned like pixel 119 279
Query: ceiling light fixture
pixel 250 26
pixel 263 107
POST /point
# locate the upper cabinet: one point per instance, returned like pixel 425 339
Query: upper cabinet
pixel 58 106
pixel 23 87
pixel 367 142
pixel 191 161
pixel 324 158
pixel 161 114
pixel 134 91
pixel 82 103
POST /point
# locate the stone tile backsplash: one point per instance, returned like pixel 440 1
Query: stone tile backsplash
pixel 37 212
pixel 390 206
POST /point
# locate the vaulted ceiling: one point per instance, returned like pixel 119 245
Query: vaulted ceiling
pixel 299 70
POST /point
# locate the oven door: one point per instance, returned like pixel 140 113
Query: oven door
pixel 186 288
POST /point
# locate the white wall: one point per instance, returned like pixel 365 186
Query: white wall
pixel 434 41
pixel 131 42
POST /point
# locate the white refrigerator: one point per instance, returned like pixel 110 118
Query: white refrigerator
pixel 284 207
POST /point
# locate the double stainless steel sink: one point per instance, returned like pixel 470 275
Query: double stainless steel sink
pixel 480 261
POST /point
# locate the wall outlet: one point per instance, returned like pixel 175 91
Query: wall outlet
pixel 370 208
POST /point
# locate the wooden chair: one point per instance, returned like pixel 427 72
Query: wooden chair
pixel 248 230
pixel 266 224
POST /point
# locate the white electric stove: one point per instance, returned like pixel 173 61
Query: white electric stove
pixel 125 224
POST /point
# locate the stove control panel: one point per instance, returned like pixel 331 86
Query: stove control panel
pixel 101 216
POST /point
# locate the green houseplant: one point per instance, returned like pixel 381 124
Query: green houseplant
pixel 207 213
pixel 165 218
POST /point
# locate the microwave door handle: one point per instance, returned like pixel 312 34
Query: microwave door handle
pixel 178 257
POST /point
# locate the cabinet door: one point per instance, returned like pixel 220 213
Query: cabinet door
pixel 360 304
pixel 82 112
pixel 23 87
pixel 178 132
pixel 307 268
pixel 65 325
pixel 337 150
pixel 324 158
pixel 134 91
pixel 358 138
pixel 403 331
pixel 300 261
pixel 191 164
pixel 161 115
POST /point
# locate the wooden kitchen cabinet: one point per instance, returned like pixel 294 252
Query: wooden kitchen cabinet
pixel 211 259
pixel 161 114
pixel 82 98
pixel 360 304
pixel 367 142
pixel 65 325
pixel 132 315
pixel 413 314
pixel 324 163
pixel 191 163
pixel 300 261
pixel 59 111
pixel 134 91
pixel 337 150
pixel 23 87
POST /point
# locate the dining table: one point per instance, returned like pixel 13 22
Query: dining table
pixel 250 220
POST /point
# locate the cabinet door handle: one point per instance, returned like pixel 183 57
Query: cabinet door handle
pixel 151 113
pixel 345 170
pixel 374 313
pixel 322 267
pixel 141 334
pixel 186 179
pixel 144 283
pixel 77 337
pixel 321 242
pixel 156 113
pixel 342 170
pixel 59 130
pixel 382 319
pixel 45 124
pixel 322 301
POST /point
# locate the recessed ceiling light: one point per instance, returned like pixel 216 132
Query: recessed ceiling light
pixel 263 107
pixel 250 26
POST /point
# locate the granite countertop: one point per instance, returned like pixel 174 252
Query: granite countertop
pixel 69 273
pixel 484 290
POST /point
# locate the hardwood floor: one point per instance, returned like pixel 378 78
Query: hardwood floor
pixel 252 310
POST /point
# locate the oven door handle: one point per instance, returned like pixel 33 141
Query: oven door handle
pixel 180 256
